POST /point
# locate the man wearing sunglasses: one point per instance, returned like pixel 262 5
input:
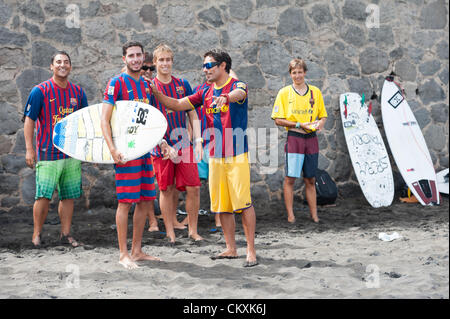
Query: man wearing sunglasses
pixel 203 164
pixel 226 105
pixel 148 67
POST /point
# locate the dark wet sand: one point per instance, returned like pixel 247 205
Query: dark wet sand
pixel 340 258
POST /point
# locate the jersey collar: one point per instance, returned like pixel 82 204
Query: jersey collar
pixel 218 88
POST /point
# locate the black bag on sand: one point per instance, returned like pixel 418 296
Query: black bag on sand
pixel 326 188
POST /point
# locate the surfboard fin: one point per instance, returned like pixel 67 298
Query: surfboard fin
pixel 363 99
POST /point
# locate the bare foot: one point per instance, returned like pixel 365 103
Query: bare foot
pixel 36 240
pixel 291 219
pixel 315 219
pixel 251 259
pixel 179 226
pixel 128 263
pixel 142 256
pixel 171 240
pixel 68 240
pixel 196 237
pixel 228 254
pixel 251 256
pixel 153 228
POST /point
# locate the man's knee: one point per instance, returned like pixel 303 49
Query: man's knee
pixel 193 191
pixel 289 180
pixel 124 206
pixel 310 181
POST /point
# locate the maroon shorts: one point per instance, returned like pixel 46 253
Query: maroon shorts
pixel 182 173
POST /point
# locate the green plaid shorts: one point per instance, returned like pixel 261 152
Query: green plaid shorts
pixel 64 174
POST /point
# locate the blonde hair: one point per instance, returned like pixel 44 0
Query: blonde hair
pixel 160 49
pixel 297 63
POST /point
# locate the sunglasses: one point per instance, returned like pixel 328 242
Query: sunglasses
pixel 210 65
pixel 146 67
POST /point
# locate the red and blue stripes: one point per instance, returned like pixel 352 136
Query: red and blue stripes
pixel 124 87
pixel 227 125
pixel 46 105
pixel 201 110
pixel 135 181
pixel 177 88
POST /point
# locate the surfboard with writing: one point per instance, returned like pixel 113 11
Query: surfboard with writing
pixel 367 151
pixel 407 144
pixel 136 128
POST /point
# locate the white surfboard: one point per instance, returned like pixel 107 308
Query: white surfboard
pixel 367 151
pixel 408 145
pixel 136 128
pixel 442 181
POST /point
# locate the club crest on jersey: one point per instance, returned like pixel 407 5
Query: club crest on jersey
pixel 73 101
pixel 242 86
pixel 179 89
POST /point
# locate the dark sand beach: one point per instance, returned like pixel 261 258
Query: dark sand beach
pixel 342 257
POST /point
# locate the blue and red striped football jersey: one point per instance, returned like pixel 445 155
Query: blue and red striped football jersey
pixel 201 110
pixel 46 105
pixel 124 88
pixel 176 134
pixel 226 125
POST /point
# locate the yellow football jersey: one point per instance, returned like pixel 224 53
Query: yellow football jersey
pixel 292 106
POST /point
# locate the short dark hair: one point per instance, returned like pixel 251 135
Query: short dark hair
pixel 220 56
pixel 130 44
pixel 62 53
pixel 148 57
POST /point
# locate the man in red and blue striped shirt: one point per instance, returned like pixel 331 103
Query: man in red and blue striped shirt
pixel 49 102
pixel 135 178
pixel 181 174
pixel 225 105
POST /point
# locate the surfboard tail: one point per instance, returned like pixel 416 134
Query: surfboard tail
pixel 427 191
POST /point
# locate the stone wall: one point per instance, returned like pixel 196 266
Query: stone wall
pixel 347 49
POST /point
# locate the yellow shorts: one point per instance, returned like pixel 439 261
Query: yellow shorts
pixel 229 184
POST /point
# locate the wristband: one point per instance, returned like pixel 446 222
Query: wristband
pixel 198 139
pixel 297 125
pixel 227 97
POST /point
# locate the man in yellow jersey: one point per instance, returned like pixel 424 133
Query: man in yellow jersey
pixel 297 108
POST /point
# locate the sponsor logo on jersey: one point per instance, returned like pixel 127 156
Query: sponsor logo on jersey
pixel 110 90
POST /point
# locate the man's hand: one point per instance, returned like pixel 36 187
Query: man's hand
pixel 168 151
pixel 117 157
pixel 313 126
pixel 219 101
pixel 153 86
pixel 147 79
pixel 30 157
